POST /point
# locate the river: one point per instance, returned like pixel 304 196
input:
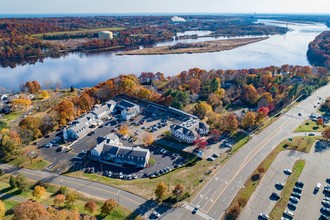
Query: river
pixel 81 70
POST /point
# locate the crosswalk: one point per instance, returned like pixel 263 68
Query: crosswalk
pixel 199 212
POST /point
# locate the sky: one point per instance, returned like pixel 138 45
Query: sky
pixel 164 6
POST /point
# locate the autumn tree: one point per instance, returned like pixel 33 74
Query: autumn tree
pixel 201 143
pixel 85 102
pixel 32 87
pixel 90 206
pixel 30 210
pixel 143 93
pixel 249 120
pixel 231 122
pixel 21 103
pixel 250 94
pixel 10 144
pixel 43 94
pixel 108 206
pixel 32 124
pixel 70 199
pixel 160 190
pixel 2 209
pixel 65 111
pixel 202 108
pixel 263 111
pixel 148 139
pixel 59 199
pixel 38 192
pixel 178 191
pixel 123 130
pixel 326 133
pixel 194 85
pixel 214 100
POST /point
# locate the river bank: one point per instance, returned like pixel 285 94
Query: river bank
pixel 200 47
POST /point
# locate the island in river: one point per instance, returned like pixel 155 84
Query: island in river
pixel 200 47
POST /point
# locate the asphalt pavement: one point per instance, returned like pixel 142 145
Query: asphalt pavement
pixel 218 193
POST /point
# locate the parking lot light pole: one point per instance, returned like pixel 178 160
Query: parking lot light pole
pixel 118 193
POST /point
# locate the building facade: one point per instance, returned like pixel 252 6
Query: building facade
pixel 189 130
pixel 104 35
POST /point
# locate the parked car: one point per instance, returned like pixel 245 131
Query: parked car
pixel 292 205
pixel 287 171
pixel 275 196
pixel 298 195
pixel 294 199
pixel 263 215
pixel 300 184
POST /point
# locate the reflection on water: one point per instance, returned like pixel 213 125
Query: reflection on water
pixel 80 70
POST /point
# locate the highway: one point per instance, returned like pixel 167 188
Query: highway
pixel 218 193
pixel 89 188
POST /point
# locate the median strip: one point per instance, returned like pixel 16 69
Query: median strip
pixel 303 144
pixel 281 205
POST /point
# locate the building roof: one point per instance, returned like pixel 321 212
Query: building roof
pixel 183 130
pixel 126 104
pixel 99 110
pixel 105 32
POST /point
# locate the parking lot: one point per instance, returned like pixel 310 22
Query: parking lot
pixel 151 120
pixel 316 171
pixel 164 160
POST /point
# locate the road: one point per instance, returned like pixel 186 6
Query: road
pixel 89 188
pixel 218 193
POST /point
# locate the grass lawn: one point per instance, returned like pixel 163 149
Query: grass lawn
pixel 190 176
pixel 119 213
pixel 309 126
pixel 11 116
pixel 280 207
pixel 37 163
pixel 303 144
pixel 80 31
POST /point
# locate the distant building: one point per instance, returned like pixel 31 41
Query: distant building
pixel 189 131
pixel 178 19
pixel 128 109
pixel 111 152
pixel 104 35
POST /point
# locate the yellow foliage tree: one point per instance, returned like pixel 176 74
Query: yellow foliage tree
pixel 160 190
pixel 148 139
pixel 43 94
pixel 123 130
pixel 38 192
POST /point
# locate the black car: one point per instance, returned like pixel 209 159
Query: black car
pixel 300 184
pixel 275 196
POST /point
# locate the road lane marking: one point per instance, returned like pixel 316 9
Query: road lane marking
pixel 245 162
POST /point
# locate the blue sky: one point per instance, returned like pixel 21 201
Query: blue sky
pixel 163 6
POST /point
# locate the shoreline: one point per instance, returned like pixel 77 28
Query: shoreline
pixel 199 47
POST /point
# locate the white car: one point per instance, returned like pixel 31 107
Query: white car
pixel 156 214
pixel 263 215
pixel 287 171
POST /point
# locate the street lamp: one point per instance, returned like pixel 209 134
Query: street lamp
pixel 118 196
